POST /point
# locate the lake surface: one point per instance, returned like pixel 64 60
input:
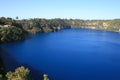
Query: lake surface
pixel 71 54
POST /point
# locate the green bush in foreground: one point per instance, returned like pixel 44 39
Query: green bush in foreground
pixel 45 76
pixel 20 73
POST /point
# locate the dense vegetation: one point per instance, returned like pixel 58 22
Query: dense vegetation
pixel 36 25
pixel 42 25
pixel 50 25
pixel 21 73
pixel 11 34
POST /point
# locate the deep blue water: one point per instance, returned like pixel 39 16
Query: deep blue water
pixel 71 54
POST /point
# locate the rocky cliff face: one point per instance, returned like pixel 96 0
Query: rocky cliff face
pixel 113 25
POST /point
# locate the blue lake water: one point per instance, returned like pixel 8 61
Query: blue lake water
pixel 71 54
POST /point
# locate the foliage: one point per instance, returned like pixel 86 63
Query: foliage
pixel 4 20
pixel 36 25
pixel 42 25
pixel 45 76
pixel 11 34
pixel 20 73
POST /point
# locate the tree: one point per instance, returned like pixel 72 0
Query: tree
pixel 17 17
pixel 2 20
pixel 45 76
pixel 21 73
pixel 11 34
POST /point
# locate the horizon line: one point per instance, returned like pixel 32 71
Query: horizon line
pixel 20 18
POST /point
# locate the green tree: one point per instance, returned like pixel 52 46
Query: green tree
pixel 11 34
pixel 45 76
pixel 20 73
pixel 17 17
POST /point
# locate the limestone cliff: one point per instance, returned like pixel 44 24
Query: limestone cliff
pixel 113 25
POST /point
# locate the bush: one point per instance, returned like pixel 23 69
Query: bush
pixel 20 73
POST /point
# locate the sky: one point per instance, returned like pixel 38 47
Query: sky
pixel 65 9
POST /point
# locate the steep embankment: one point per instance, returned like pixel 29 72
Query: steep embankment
pixel 50 25
pixel 36 25
pixel 2 67
pixel 111 25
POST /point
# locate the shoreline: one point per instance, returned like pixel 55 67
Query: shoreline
pixel 2 65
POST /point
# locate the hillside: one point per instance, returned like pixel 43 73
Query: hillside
pixel 50 25
pixel 111 25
